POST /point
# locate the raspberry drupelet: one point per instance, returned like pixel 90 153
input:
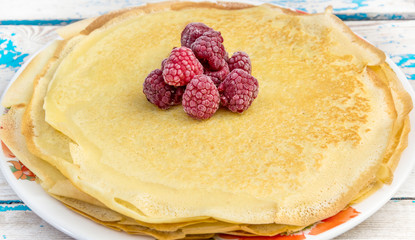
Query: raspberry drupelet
pixel 159 93
pixel 240 60
pixel 201 98
pixel 238 90
pixel 181 66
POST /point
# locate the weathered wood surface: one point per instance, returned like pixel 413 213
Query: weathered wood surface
pixel 12 12
pixel 393 221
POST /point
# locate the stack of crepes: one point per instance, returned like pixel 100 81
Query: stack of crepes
pixel 328 126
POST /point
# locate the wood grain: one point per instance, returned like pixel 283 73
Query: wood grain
pixel 20 41
pixel 395 38
pixel 27 225
pixel 395 220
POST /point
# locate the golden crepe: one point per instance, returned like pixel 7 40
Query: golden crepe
pixel 330 121
pixel 52 180
pixel 60 188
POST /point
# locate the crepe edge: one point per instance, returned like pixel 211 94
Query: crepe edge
pixel 106 20
pixel 374 56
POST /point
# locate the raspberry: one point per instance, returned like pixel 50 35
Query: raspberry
pixel 240 60
pixel 201 98
pixel 159 93
pixel 181 66
pixel 218 76
pixel 191 32
pixel 238 90
pixel 209 49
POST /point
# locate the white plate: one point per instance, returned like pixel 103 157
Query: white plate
pixel 79 227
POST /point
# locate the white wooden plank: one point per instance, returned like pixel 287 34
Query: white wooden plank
pixel 17 225
pixel 19 43
pixel 407 189
pixel 76 9
pixel 6 193
pixel 395 38
pixel 395 220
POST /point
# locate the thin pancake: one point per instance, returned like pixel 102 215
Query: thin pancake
pixel 60 188
pixel 57 185
pixel 333 109
pixel 44 142
pixel 380 74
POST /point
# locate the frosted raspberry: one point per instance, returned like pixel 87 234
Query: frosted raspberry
pixel 159 93
pixel 240 60
pixel 181 66
pixel 209 49
pixel 191 32
pixel 238 90
pixel 218 76
pixel 201 98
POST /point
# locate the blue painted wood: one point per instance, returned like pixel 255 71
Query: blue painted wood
pixel 407 63
pixel 11 201
pixel 342 16
pixel 352 10
pixel 40 22
pixel 374 16
pixel 19 207
pixel 13 205
pixel 10 57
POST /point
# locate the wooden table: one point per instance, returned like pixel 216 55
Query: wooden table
pixel 26 25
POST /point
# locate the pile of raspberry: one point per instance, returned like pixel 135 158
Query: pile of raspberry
pixel 201 76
